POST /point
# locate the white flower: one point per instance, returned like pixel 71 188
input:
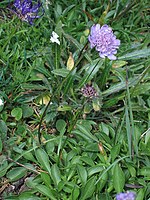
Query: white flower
pixel 54 38
pixel 1 102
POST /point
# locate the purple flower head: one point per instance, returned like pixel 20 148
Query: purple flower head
pixel 104 40
pixel 27 10
pixel 126 196
pixel 89 91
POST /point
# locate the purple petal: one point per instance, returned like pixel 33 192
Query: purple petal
pixel 104 41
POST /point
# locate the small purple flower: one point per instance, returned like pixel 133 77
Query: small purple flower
pixel 104 40
pixel 27 10
pixel 126 196
pixel 89 91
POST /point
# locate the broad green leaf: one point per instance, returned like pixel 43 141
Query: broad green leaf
pixel 27 111
pixel 60 125
pixel 137 54
pixel 140 194
pixel 3 129
pixel 95 169
pixel 28 196
pixel 55 174
pixel 50 146
pixel 120 86
pixel 87 160
pixel 75 193
pixel 115 152
pixel 89 188
pixel 118 178
pixel 46 178
pixel 82 174
pixel 131 169
pixel 17 113
pixel 16 173
pixel 46 191
pixel 29 156
pixel 61 72
pixel 31 182
pixel 43 159
pixel 86 132
pixel 3 165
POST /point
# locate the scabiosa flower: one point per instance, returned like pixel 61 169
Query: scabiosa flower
pixel 126 196
pixel 104 40
pixel 89 91
pixel 28 10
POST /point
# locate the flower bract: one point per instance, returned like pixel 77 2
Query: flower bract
pixel 89 91
pixel 104 41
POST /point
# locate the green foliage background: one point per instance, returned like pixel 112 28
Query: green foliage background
pixel 56 142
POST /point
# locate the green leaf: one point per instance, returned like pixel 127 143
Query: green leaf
pixel 46 191
pixel 46 178
pixel 3 129
pixel 118 178
pixel 115 152
pixel 131 169
pixel 61 72
pixel 16 173
pixel 82 174
pixel 17 113
pixel 28 196
pixel 43 159
pixel 27 111
pixel 3 165
pixel 55 174
pixel 143 53
pixel 95 169
pixel 29 156
pixel 61 125
pixel 141 194
pixel 89 188
pixel 87 160
pixel 86 132
pixel 75 193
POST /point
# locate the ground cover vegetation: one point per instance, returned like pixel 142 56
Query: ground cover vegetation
pixel 74 100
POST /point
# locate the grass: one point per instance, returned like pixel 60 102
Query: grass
pixel 54 142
